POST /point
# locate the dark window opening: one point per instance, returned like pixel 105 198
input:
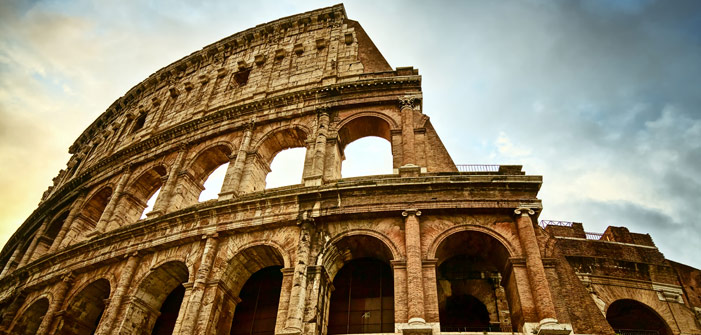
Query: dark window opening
pixel 363 299
pixel 139 123
pixel 464 313
pixel 630 317
pixel 241 76
pixel 169 312
pixel 257 312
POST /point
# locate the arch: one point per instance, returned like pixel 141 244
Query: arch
pixel 354 245
pixel 433 247
pixel 147 183
pixel 472 262
pixel 30 318
pixel 632 316
pixel 257 165
pixel 396 255
pixel 363 298
pixel 256 313
pixel 137 193
pixel 238 270
pixel 96 204
pixel 84 310
pixel 365 124
pixel 155 298
pixel 208 159
pixel 281 138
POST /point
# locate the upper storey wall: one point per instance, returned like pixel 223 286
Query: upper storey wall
pixel 309 49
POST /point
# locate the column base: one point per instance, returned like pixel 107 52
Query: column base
pixel 417 326
pixel 313 180
pixel 289 331
pixel 227 196
pixel 547 326
pixel 410 170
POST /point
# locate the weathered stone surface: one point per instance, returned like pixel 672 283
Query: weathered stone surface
pixel 84 262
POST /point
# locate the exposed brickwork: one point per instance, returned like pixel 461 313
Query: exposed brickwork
pixel 316 81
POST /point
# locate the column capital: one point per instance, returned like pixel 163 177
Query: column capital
pixel 408 101
pixel 323 110
pixel 251 124
pixel 524 211
pixel 68 278
pixel 207 236
pixel 412 212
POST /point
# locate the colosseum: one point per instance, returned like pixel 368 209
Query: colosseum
pixel 433 248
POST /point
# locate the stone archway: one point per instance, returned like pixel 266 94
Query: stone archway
pixel 627 316
pixel 254 266
pixel 28 323
pixel 84 311
pixel 471 271
pixel 363 299
pixel 157 293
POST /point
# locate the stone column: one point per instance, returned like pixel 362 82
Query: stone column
pixel 39 233
pixel 116 195
pixel 106 326
pixel 298 294
pixel 232 179
pixel 12 259
pixel 415 286
pixel 534 265
pixel 48 323
pixel 406 105
pixel 315 178
pixel 163 200
pixel 77 205
pixel 194 303
pixel 10 311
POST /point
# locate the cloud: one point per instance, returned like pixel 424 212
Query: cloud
pixel 599 98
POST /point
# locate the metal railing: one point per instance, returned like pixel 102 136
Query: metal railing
pixel 636 332
pixel 545 223
pixel 477 167
pixel 593 236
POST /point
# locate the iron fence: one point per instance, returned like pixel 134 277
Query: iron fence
pixel 477 167
pixel 593 236
pixel 545 223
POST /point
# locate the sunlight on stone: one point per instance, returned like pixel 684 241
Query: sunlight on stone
pixel 149 204
pixel 286 168
pixel 212 187
pixel 367 156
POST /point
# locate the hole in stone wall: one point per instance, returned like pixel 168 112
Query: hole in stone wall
pixel 286 168
pixel 213 184
pixel 241 76
pixel 367 156
pixel 628 316
pixel 149 204
pixel 139 123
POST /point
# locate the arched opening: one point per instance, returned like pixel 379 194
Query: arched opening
pixel 363 297
pixel 630 317
pixel 50 233
pixel 259 165
pixel 150 203
pixel 207 170
pixel 169 312
pixel 472 290
pixel 214 183
pixel 133 204
pixel 83 313
pixel 93 208
pixel 366 157
pixel 285 168
pixel 29 322
pixel 155 305
pixel 257 312
pixel 364 152
pixel 252 276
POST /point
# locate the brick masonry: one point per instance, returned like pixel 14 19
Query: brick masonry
pixel 84 262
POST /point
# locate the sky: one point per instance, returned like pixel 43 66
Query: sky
pixel 601 98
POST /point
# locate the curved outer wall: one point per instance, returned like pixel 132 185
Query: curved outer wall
pixel 84 261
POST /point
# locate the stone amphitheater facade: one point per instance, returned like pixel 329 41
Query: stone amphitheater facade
pixel 427 249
